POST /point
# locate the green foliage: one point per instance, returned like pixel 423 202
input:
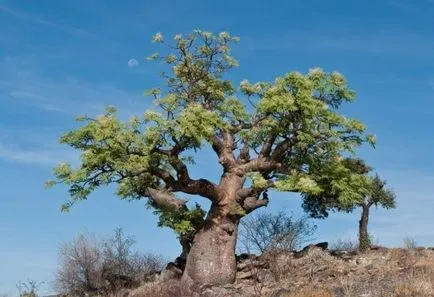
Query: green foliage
pixel 349 187
pixel 181 221
pixel 380 195
pixel 199 104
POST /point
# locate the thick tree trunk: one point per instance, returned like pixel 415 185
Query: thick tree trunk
pixel 211 260
pixel 212 257
pixel 364 241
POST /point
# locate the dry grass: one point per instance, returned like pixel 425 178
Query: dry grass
pixel 165 289
pixel 311 293
pixel 382 273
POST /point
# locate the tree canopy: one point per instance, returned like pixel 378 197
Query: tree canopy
pixel 370 190
pixel 285 135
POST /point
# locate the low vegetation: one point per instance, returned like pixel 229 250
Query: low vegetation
pixel 266 231
pixel 91 267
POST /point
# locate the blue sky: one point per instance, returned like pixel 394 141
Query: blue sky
pixel 60 59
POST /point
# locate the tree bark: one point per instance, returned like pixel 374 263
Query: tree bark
pixel 211 260
pixel 364 241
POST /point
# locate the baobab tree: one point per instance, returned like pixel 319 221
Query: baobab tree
pixel 279 135
pixel 373 192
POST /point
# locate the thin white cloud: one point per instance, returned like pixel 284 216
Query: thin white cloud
pixel 133 63
pixel 34 147
pixel 402 5
pixel 387 42
pixel 45 22
pixel 22 83
pixel 35 155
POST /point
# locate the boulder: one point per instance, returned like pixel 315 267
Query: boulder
pixel 172 271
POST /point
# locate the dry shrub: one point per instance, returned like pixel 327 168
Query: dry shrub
pixel 265 231
pixel 92 267
pixel 403 257
pixel 409 242
pixel 29 288
pixel 421 285
pixel 347 244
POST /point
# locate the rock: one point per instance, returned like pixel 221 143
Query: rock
pixel 180 263
pixel 251 264
pixel 265 276
pixel 322 245
pixel 362 261
pixel 244 256
pixel 171 271
pixel 245 274
pixel 378 248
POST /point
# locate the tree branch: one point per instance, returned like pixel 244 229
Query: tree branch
pixel 268 145
pixel 253 191
pixel 184 183
pixel 244 155
pixel 280 150
pixel 224 149
pixel 165 200
pixel 259 165
pixel 252 203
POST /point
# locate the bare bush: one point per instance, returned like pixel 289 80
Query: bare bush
pixel 409 243
pixel 80 267
pixel 347 244
pixel 29 288
pixel 122 266
pixel 90 267
pixel 266 231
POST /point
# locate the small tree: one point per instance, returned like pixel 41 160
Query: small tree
pixel 367 191
pixel 280 135
pixel 266 231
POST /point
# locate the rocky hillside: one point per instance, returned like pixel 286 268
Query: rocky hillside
pixel 315 272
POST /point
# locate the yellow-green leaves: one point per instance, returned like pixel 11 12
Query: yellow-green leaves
pixel 293 122
pixel 152 92
pixel 258 181
pixel 298 183
pixel 371 139
pixel 158 37
pixel 198 123
pixel 153 57
pixel 181 221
